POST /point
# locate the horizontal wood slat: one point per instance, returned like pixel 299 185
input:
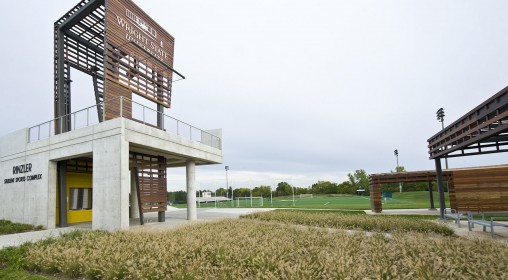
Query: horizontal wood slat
pixel 481 189
pixel 470 189
pixel 152 182
pixel 129 67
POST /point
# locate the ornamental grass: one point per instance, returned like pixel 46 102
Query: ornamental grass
pixel 343 220
pixel 8 227
pixel 253 249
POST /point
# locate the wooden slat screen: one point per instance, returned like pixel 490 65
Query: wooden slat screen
pixel 377 180
pixel 152 182
pixel 480 189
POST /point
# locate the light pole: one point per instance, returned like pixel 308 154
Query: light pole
pixel 271 199
pixel 396 153
pixel 440 117
pixel 227 186
pixel 293 189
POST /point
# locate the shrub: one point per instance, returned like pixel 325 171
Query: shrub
pixel 8 227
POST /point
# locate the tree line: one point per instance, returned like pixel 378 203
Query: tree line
pixel 359 180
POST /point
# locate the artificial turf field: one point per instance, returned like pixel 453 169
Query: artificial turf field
pixel 404 200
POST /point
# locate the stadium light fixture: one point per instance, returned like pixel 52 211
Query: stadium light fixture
pixel 440 117
pixel 396 153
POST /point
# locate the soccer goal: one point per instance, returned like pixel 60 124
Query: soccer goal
pixel 251 201
pixel 306 195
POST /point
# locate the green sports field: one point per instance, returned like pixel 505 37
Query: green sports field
pixel 405 200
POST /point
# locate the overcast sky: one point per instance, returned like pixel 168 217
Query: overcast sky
pixel 303 90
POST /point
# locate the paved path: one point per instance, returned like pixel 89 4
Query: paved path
pixel 423 211
pixel 20 238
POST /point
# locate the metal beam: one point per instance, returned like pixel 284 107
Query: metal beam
pixel 478 153
pixel 81 14
pixel 98 98
pixel 158 60
pixel 160 116
pixel 487 122
pixel 62 193
pixel 439 179
pixel 480 138
pixel 60 80
pixel 431 197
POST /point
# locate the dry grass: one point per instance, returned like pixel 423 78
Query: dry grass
pixel 343 220
pixel 252 249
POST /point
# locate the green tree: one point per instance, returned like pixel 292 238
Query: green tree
pixel 177 197
pixel 242 192
pixel 221 192
pixel 324 187
pixel 299 190
pixel 283 188
pixel 400 168
pixel 359 179
pixel 263 191
pixel 346 188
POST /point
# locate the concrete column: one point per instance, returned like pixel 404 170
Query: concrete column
pixel 110 183
pixel 134 197
pixel 52 193
pixel 191 190
pixel 431 196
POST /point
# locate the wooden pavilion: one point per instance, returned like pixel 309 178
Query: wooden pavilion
pixel 483 130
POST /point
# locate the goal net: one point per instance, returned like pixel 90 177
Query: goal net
pixel 254 201
pixel 306 195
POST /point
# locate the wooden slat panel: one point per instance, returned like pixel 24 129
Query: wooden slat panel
pixel 128 68
pixel 151 181
pixel 481 189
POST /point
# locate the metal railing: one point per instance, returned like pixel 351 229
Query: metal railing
pixel 138 112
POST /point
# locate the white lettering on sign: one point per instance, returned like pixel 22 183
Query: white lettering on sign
pixel 142 34
pixel 141 23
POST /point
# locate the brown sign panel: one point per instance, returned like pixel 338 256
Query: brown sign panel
pixel 138 56
pixel 126 22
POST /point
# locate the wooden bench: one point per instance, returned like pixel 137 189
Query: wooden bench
pixel 471 221
pixel 455 215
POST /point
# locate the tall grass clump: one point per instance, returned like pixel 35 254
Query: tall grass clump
pixel 252 249
pixel 341 220
pixel 8 227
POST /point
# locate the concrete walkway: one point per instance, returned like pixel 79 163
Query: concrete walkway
pixel 500 233
pixel 20 238
pixel 423 211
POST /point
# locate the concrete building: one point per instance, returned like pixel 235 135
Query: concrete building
pixel 108 162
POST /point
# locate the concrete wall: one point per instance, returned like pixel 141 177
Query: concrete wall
pixel 34 201
pixel 25 195
pixel 145 136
